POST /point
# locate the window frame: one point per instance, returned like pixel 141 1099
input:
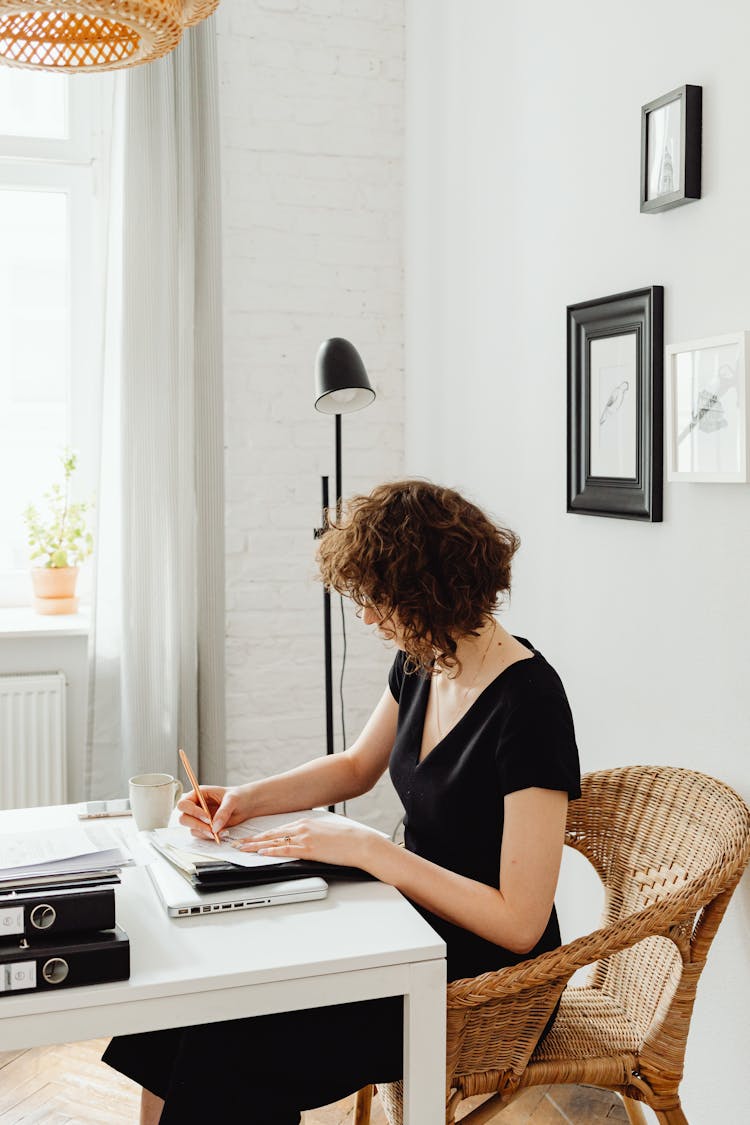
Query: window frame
pixel 77 147
pixel 77 167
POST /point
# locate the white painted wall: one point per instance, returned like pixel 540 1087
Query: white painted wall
pixel 522 141
pixel 312 171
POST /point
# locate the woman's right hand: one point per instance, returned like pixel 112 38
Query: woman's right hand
pixel 227 806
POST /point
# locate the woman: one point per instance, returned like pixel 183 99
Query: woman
pixel 476 730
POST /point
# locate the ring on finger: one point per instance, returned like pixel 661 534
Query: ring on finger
pixel 287 840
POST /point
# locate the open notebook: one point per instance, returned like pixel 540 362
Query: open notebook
pixel 207 865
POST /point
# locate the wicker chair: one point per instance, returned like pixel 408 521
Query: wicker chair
pixel 670 846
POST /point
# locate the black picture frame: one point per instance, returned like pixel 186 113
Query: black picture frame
pixel 690 99
pixel 631 323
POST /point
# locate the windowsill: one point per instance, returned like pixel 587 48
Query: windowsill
pixel 22 621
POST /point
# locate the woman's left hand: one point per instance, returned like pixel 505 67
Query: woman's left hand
pixel 330 841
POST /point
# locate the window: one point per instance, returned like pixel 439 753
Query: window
pixel 52 189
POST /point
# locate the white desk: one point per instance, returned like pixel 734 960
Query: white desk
pixel 364 941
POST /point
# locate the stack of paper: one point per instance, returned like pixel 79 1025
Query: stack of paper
pixel 58 856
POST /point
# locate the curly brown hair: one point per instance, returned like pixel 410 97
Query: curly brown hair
pixel 424 555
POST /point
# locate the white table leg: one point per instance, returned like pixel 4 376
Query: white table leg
pixel 424 1045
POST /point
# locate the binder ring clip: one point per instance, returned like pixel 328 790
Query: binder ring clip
pixel 42 916
pixel 55 970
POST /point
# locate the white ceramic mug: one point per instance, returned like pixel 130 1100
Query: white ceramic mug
pixel 152 798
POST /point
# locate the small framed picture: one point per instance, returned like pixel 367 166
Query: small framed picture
pixel 671 149
pixel 707 385
pixel 615 415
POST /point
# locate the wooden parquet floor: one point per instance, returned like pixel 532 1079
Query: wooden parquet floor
pixel 70 1085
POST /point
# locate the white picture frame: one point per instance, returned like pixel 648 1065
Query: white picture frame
pixel 707 407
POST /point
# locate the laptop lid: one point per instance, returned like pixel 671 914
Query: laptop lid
pixel 182 901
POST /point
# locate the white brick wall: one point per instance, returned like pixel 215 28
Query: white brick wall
pixel 312 168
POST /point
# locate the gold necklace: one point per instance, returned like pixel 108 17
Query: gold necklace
pixel 466 689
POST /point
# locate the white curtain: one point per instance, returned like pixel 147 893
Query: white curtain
pixel 157 642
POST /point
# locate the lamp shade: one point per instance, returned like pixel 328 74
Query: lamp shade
pixel 341 383
pixel 91 35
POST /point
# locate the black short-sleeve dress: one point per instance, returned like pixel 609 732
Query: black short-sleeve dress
pixel 518 733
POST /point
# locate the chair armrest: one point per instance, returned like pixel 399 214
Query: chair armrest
pixel 558 965
pixel 495 1019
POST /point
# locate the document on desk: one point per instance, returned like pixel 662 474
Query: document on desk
pixel 54 851
pixel 182 840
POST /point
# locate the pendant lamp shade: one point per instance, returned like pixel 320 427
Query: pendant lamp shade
pixel 88 35
pixel 341 383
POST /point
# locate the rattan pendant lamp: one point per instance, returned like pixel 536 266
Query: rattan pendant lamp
pixel 89 35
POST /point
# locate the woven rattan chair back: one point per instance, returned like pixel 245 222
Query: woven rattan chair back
pixel 650 831
pixel 669 846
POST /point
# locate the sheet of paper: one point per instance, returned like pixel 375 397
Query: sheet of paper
pixel 182 839
pixel 27 849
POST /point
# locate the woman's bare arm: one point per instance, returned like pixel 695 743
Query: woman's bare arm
pixel 513 915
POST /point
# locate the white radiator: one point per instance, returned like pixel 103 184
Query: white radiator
pixel 32 740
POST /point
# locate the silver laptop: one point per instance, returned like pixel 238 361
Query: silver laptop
pixel 181 901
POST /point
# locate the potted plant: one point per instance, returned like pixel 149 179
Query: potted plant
pixel 61 540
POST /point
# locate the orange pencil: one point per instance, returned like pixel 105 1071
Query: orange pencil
pixel 197 788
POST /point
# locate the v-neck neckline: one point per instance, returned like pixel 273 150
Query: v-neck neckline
pixel 421 761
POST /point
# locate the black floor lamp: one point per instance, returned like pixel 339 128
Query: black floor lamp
pixel 341 387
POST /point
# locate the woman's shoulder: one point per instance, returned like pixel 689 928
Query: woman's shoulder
pixel 535 674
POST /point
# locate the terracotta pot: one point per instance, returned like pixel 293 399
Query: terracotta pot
pixel 54 589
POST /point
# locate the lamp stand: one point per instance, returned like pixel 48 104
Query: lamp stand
pixel 341 386
pixel 327 631
pixel 339 490
pixel 327 649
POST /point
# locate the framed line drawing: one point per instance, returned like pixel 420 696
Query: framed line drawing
pixel 615 405
pixel 707 396
pixel 671 138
